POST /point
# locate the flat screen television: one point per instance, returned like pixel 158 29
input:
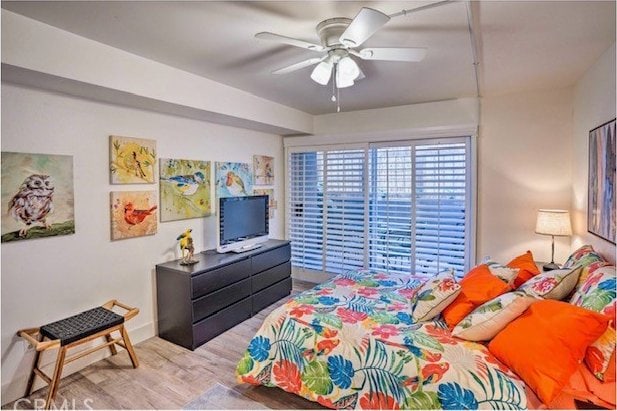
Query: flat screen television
pixel 243 223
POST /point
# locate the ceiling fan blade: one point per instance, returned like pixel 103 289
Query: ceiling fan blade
pixel 299 65
pixel 392 53
pixel 288 40
pixel 363 26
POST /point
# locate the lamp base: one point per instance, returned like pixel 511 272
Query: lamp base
pixel 550 266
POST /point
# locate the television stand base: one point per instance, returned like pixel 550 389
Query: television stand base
pixel 246 248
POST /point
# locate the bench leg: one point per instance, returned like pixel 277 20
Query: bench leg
pixel 112 347
pixel 55 380
pixel 129 347
pixel 37 360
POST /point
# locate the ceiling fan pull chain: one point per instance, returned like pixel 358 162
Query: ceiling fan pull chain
pixel 333 89
pixel 338 100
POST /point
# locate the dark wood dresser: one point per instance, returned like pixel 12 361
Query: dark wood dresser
pixel 198 302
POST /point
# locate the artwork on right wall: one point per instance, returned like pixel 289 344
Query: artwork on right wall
pixel 133 214
pixel 602 176
pixel 131 160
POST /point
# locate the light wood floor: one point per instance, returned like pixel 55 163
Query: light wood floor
pixel 170 376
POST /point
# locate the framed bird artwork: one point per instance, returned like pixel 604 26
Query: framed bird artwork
pixel 233 180
pixel 133 214
pixel 185 189
pixel 131 160
pixel 37 196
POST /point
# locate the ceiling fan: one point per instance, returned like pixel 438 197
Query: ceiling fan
pixel 340 41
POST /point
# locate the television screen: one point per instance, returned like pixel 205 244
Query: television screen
pixel 242 218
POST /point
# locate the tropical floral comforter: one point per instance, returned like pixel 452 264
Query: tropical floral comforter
pixel 351 343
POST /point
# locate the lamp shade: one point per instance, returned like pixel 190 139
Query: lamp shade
pixel 554 222
pixel 322 72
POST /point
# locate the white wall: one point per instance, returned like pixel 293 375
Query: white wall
pixel 48 279
pixel 594 104
pixel 524 152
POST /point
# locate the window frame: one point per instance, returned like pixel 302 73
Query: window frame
pixel 471 169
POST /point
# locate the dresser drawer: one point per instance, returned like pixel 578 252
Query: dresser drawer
pixel 270 295
pixel 271 276
pixel 209 328
pixel 271 258
pixel 213 280
pixel 213 302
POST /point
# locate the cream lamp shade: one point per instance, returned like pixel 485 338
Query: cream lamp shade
pixel 554 222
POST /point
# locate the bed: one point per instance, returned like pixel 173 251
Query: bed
pixel 351 343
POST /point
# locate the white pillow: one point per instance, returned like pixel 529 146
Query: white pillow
pixel 502 272
pixel 434 295
pixel 487 320
pixel 554 284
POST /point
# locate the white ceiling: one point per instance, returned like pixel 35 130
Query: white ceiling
pixel 521 45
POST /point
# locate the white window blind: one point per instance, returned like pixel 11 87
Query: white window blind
pixel 400 208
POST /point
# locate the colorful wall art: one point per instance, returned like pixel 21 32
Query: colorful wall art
pixel 185 189
pixel 271 201
pixel 133 214
pixel 131 160
pixel 37 196
pixel 602 169
pixel 233 180
pixel 263 169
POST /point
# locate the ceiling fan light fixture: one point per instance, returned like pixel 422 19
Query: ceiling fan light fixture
pixel 348 68
pixel 342 80
pixel 322 72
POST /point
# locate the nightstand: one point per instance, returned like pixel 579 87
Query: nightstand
pixel 541 265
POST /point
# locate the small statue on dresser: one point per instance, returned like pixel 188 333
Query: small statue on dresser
pixel 186 245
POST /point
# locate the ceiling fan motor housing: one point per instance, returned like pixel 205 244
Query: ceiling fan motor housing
pixel 330 31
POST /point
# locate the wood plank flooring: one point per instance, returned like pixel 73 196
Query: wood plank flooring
pixel 169 376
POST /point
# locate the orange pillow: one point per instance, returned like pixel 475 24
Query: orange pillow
pixel 527 268
pixel 545 345
pixel 478 287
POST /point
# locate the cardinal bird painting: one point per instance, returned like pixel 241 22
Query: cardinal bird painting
pixel 185 189
pixel 133 214
pixel 233 180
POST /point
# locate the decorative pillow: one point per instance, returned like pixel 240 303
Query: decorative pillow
pixel 599 293
pixel 435 295
pixel 545 345
pixel 588 270
pixel 527 268
pixel 553 285
pixel 487 320
pixel 584 256
pixel 502 272
pixel 478 287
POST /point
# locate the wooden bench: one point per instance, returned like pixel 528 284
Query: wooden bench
pixel 74 331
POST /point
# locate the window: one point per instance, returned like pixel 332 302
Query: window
pixel 401 207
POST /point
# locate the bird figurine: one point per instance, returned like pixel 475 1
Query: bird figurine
pixel 133 216
pixel 33 202
pixel 186 244
pixel 187 184
pixel 234 184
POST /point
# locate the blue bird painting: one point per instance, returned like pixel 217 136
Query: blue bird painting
pixel 187 184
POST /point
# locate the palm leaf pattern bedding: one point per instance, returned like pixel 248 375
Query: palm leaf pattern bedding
pixel 351 343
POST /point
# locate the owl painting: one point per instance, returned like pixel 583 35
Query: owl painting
pixel 33 202
pixel 37 196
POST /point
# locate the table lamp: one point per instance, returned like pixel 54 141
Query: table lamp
pixel 553 223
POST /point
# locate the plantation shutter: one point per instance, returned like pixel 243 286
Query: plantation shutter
pixel 306 209
pixel 344 199
pixel 401 208
pixel 390 205
pixel 441 197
